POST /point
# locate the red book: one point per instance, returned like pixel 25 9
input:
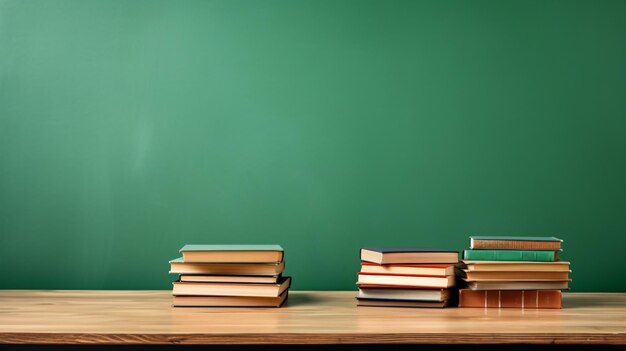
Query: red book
pixel 526 299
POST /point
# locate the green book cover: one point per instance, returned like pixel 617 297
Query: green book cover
pixel 509 255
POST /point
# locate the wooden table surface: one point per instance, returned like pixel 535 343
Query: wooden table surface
pixel 146 317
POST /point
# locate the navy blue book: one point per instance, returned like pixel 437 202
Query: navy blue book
pixel 408 255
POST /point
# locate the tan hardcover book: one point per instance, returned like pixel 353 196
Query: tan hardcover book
pixel 518 285
pixel 408 269
pixel 405 294
pixel 231 289
pixel 512 266
pixel 180 267
pixel 232 253
pixel 534 243
pixel 229 279
pixel 532 299
pixel 399 303
pixel 229 301
pixel 508 276
pixel 405 280
pixel 411 255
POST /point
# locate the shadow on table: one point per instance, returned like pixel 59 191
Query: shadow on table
pixel 301 299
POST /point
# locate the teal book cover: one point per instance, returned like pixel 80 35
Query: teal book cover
pixel 510 255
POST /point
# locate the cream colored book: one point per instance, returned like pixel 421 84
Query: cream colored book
pixel 232 253
pixel 231 289
pixel 228 279
pixel 512 276
pixel 515 285
pixel 366 279
pixel 511 266
pixel 229 301
pixel 180 267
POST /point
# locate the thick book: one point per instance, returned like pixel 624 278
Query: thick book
pixel 231 289
pixel 229 301
pixel 512 276
pixel 536 243
pixel 177 266
pixel 229 279
pixel 410 269
pixel 510 255
pixel 396 255
pixel 370 279
pixel 232 253
pixel 531 299
pixel 405 294
pixel 514 266
pixel 518 285
pixel 400 303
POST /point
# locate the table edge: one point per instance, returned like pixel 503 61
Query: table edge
pixel 312 338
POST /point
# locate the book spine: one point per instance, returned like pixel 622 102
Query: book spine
pixel 525 299
pixel 509 255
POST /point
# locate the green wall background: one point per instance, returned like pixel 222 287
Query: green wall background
pixel 129 128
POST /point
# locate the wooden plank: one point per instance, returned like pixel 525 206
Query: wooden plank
pixel 146 317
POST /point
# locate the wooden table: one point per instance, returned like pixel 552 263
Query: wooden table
pixel 146 317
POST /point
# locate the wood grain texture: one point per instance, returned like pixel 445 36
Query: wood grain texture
pixel 146 317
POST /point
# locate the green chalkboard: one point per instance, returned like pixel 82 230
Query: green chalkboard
pixel 131 128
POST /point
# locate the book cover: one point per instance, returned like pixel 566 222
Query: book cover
pixel 410 255
pixel 519 285
pixel 396 249
pixel 515 243
pixel 512 275
pixel 232 253
pixel 408 269
pixel 231 248
pixel 231 289
pixel 229 301
pixel 515 266
pixel 405 294
pixel 369 279
pixel 510 255
pixel 178 266
pixel 400 303
pixel 516 238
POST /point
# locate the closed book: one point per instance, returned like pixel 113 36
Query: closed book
pixel 513 266
pixel 510 255
pixel 508 276
pixel 231 289
pixel 530 299
pixel 232 253
pixel 400 303
pixel 410 269
pixel 518 285
pixel 405 280
pixel 549 243
pixel 229 301
pixel 396 255
pixel 179 267
pixel 405 294
pixel 229 279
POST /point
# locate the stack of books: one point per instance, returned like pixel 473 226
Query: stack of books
pixel 406 277
pixel 230 275
pixel 513 272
